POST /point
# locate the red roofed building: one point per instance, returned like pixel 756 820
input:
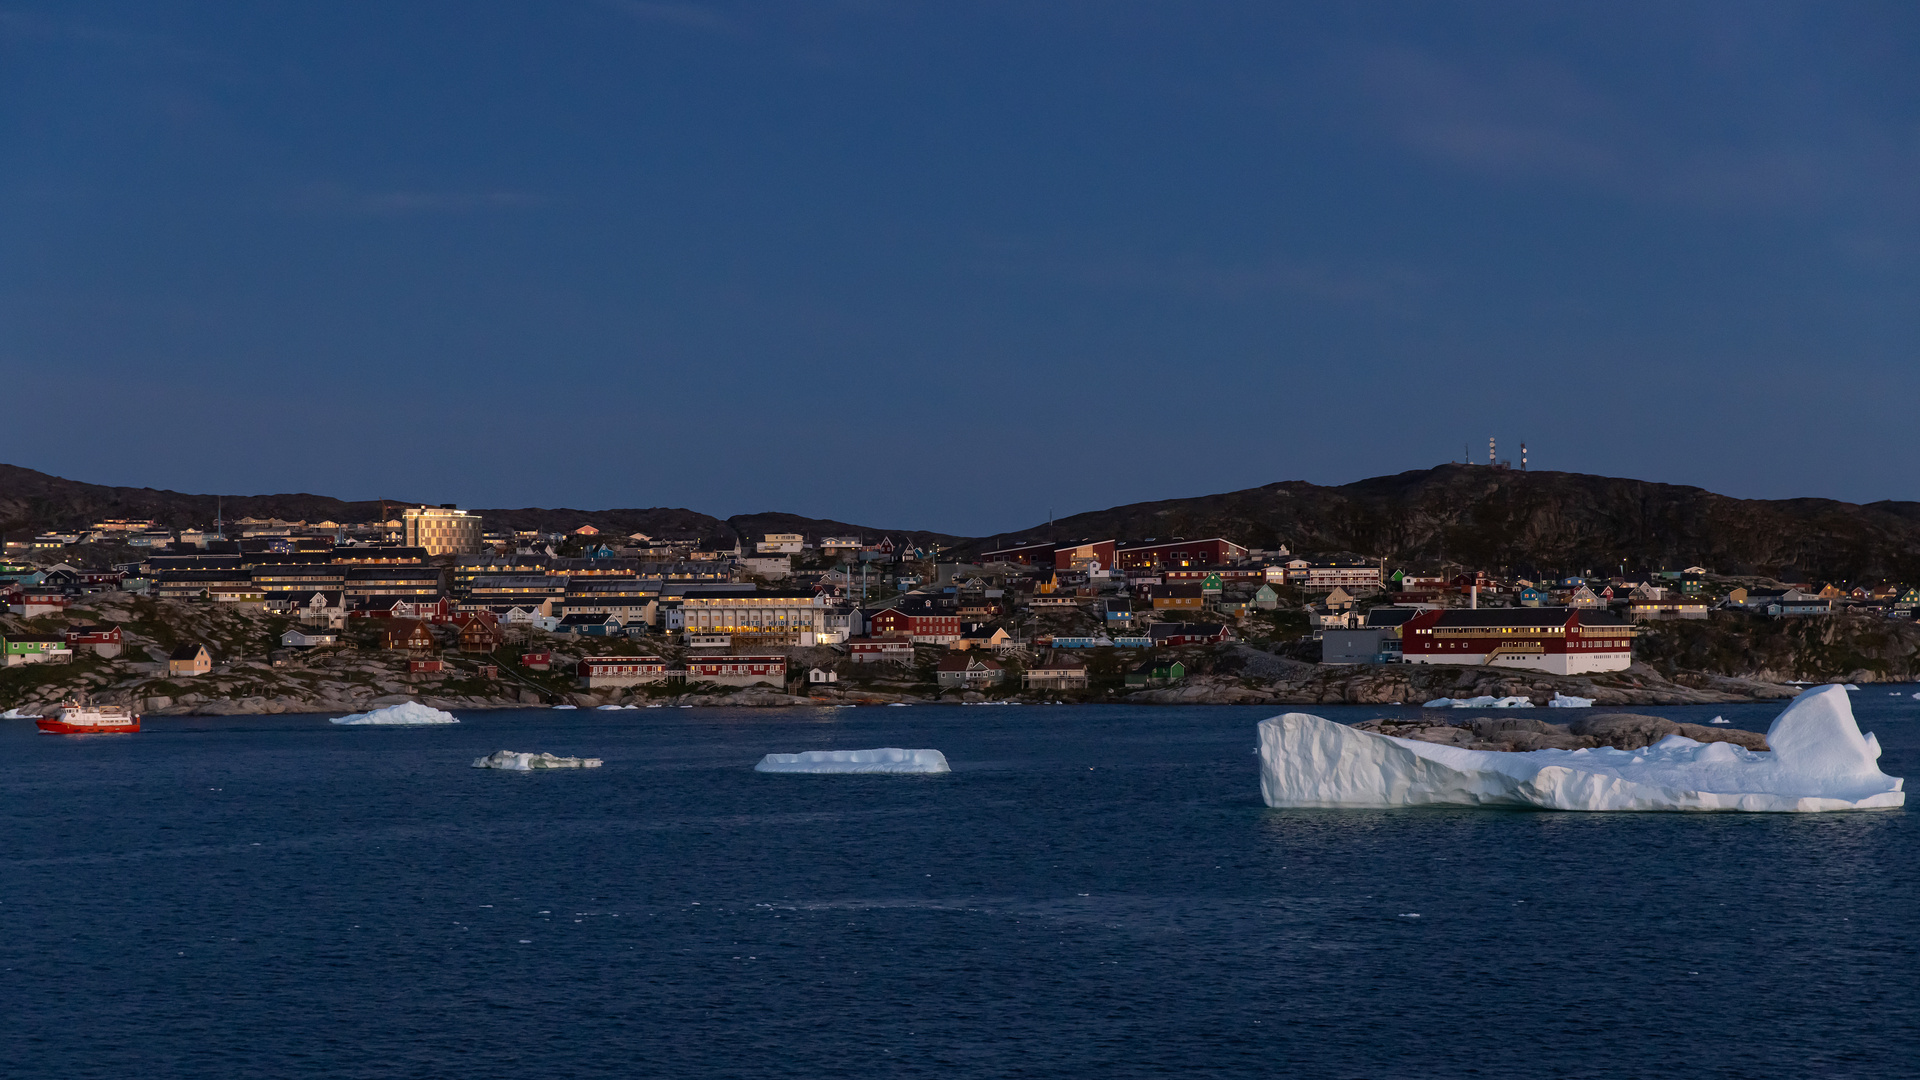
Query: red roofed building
pixel 598 671
pixel 1563 641
pixel 921 622
pixel 870 649
pixel 103 640
pixel 1213 551
pixel 738 670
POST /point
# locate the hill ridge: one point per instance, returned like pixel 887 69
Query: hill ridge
pixel 1471 516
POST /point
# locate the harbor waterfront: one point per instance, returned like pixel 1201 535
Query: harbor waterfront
pixel 1092 891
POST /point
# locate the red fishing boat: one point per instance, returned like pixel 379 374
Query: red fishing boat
pixel 75 718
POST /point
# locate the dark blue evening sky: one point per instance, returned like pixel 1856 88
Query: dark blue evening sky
pixel 954 265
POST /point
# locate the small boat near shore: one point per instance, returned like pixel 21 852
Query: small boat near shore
pixel 75 718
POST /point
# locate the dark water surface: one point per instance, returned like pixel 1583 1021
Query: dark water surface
pixel 1094 892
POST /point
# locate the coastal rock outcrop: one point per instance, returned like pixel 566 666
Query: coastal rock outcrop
pixel 1519 734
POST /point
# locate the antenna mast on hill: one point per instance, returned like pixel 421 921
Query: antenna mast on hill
pixel 1489 449
pixel 1523 457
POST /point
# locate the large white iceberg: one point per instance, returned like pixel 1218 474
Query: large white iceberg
pixel 406 714
pixel 1818 761
pixel 1485 701
pixel 886 760
pixel 513 761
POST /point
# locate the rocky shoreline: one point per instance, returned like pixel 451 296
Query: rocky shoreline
pixel 1270 680
pixel 1519 734
pixel 1337 687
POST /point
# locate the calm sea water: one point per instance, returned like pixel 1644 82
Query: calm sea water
pixel 1094 892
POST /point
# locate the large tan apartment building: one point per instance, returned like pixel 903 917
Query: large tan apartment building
pixel 441 530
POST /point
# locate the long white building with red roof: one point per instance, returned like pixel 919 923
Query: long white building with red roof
pixel 1563 641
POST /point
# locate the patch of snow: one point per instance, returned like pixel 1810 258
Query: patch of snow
pixel 886 760
pixel 408 714
pixel 1485 701
pixel 516 762
pixel 1819 761
pixel 1568 701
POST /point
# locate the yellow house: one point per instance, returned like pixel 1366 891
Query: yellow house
pixel 189 660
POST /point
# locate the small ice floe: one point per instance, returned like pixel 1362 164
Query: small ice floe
pixel 885 760
pixel 618 708
pixel 1568 701
pixel 566 706
pixel 516 762
pixel 407 714
pixel 1849 686
pixel 16 714
pixel 897 705
pixel 1485 701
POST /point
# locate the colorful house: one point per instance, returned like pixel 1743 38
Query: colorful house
pixel 1061 671
pixel 102 640
pixel 33 649
pixel 599 671
pixel 188 661
pixel 1157 673
pixel 970 670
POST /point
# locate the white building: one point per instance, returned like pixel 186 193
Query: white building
pixel 765 618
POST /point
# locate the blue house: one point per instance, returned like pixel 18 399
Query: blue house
pixel 1532 597
pixel 589 625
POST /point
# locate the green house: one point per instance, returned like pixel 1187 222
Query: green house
pixel 25 649
pixel 1157 673
pixel 1210 585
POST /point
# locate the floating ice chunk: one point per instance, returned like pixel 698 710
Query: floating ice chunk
pixel 1485 701
pixel 1719 720
pixel 887 760
pixel 1568 701
pixel 516 762
pixel 566 706
pixel 16 714
pixel 1819 761
pixel 409 713
pixel 1849 686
